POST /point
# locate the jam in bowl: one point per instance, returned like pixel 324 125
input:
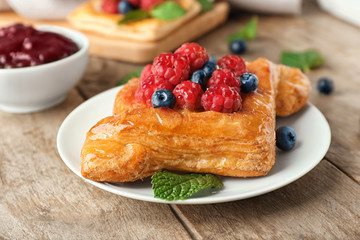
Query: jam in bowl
pixel 37 71
pixel 23 46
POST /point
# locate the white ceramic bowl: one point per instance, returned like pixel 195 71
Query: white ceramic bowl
pixel 44 9
pixel 36 88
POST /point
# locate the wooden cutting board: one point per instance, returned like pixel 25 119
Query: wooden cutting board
pixel 138 52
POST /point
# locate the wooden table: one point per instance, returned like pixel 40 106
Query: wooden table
pixel 40 198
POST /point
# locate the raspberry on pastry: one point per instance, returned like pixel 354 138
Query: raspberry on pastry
pixel 149 85
pixel 174 68
pixel 147 4
pixel 234 63
pixel 146 72
pixel 134 3
pixel 224 77
pixel 110 6
pixel 221 98
pixel 188 95
pixel 196 54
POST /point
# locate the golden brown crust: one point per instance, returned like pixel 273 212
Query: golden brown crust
pixel 292 92
pixel 88 17
pixel 140 141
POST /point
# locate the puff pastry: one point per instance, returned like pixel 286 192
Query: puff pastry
pixel 88 17
pixel 137 141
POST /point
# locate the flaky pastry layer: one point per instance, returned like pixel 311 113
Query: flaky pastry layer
pixel 88 17
pixel 137 141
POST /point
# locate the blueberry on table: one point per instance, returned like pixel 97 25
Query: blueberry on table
pixel 124 7
pixel 238 46
pixel 163 98
pixel 209 67
pixel 285 138
pixel 249 82
pixel 199 77
pixel 325 86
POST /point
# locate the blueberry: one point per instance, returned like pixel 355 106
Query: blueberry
pixel 124 7
pixel 285 138
pixel 209 68
pixel 325 86
pixel 163 98
pixel 249 82
pixel 238 46
pixel 199 77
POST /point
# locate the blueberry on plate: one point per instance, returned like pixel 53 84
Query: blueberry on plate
pixel 285 138
pixel 163 98
pixel 249 82
pixel 199 77
pixel 325 86
pixel 238 46
pixel 209 67
pixel 124 7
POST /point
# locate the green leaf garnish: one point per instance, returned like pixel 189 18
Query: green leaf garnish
pixel 247 33
pixel 167 11
pixel 303 60
pixel 206 5
pixel 170 186
pixel 133 16
pixel 135 73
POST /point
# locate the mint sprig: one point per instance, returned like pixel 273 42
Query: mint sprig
pixel 206 5
pixel 170 186
pixel 304 60
pixel 167 11
pixel 133 16
pixel 135 73
pixel 247 33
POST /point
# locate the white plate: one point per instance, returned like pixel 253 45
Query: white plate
pixel 313 140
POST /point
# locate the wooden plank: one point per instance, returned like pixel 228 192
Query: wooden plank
pixel 40 198
pixel 324 204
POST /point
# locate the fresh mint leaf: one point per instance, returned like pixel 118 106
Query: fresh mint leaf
pixel 314 58
pixel 303 60
pixel 206 5
pixel 170 186
pixel 247 33
pixel 133 16
pixel 167 11
pixel 127 77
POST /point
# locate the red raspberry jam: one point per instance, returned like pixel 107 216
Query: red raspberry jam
pixel 23 46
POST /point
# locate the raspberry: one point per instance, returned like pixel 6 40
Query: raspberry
pixel 147 4
pixel 188 95
pixel 110 6
pixel 146 72
pixel 221 98
pixel 134 3
pixel 224 77
pixel 172 67
pixel 149 85
pixel 196 54
pixel 234 63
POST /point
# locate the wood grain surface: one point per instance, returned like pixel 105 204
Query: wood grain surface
pixel 40 198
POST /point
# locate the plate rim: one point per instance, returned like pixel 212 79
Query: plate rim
pixel 107 186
